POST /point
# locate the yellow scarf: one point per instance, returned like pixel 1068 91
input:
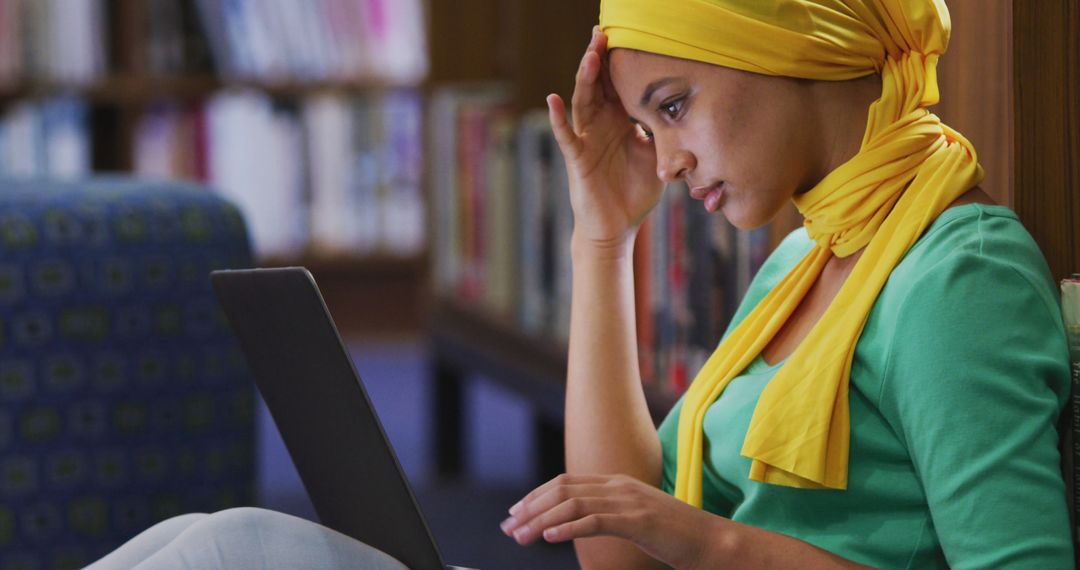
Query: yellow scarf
pixel 909 168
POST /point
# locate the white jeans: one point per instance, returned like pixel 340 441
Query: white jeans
pixel 244 537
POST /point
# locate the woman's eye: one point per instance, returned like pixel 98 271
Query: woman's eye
pixel 672 109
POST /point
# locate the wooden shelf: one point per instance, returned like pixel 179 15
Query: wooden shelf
pixel 124 89
pixel 534 366
pixel 355 266
pixel 376 296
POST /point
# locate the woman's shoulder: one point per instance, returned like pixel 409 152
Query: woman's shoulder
pixel 969 243
pixel 972 303
pixel 974 241
pixel 979 236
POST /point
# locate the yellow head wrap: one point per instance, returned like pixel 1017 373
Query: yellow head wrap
pixel 909 168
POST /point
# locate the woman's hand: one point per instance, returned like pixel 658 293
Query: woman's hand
pixel 581 506
pixel 612 170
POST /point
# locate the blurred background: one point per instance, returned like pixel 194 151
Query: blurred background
pixel 400 150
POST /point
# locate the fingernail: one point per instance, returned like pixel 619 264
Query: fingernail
pixel 508 524
pixel 516 508
pixel 519 534
pixel 551 533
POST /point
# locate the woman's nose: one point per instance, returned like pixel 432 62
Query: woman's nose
pixel 673 165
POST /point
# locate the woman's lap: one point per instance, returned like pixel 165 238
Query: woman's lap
pixel 244 537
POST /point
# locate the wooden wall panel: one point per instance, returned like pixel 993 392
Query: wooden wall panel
pixel 466 40
pixel 975 80
pixel 553 37
pixel 1047 93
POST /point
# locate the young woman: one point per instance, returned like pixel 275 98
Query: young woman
pixel 888 392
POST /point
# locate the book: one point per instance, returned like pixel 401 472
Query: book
pixel 353 173
pixel 535 150
pixel 52 41
pixel 45 138
pixel 503 227
pixel 316 40
pixel 463 120
pixel 1070 310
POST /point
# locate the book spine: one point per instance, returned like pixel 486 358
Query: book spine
pixel 500 216
pixel 563 226
pixel 1070 309
pixel 700 291
pixel 660 291
pixel 643 302
pixel 531 188
pixel 677 275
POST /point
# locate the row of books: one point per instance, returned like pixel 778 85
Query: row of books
pixel 327 174
pixel 173 39
pixel 691 269
pixel 51 40
pixel 503 223
pixel 47 138
pixel 317 39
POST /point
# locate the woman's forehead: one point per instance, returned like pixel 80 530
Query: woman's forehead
pixel 631 67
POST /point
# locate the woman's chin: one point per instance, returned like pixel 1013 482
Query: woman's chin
pixel 742 219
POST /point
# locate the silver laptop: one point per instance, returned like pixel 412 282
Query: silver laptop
pixel 323 412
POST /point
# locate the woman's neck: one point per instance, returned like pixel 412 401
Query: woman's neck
pixel 843 108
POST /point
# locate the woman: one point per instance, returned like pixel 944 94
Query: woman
pixel 889 391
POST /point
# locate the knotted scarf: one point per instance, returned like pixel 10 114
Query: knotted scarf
pixel 909 168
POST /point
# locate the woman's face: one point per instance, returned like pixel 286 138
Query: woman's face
pixel 753 133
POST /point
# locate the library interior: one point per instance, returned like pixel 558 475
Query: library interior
pixel 401 151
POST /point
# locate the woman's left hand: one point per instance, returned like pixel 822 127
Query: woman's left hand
pixel 581 506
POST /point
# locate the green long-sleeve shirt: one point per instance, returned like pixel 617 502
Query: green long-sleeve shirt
pixel 957 383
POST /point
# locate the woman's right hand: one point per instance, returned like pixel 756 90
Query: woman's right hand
pixel 611 169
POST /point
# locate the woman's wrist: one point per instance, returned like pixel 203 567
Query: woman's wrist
pixel 726 539
pixel 584 248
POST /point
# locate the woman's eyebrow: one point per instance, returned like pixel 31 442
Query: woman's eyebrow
pixel 651 88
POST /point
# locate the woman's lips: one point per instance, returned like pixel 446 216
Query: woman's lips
pixel 710 194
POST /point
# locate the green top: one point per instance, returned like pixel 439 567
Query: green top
pixel 957 383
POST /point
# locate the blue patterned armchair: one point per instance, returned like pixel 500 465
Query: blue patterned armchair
pixel 124 399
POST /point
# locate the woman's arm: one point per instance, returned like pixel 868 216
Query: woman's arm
pixel 579 507
pixel 976 379
pixel 608 426
pixel 758 549
pixel 613 186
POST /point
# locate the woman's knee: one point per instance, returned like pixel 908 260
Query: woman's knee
pixel 148 542
pixel 183 521
pixel 255 537
pixel 240 517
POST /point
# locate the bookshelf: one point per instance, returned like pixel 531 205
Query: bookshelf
pixel 999 108
pixel 150 53
pixel 131 89
pixel 502 78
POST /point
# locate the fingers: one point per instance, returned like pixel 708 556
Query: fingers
pixel 606 86
pixel 588 93
pixel 571 510
pixel 569 142
pixel 559 481
pixel 585 527
pixel 563 498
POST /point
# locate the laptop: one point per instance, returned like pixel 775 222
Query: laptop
pixel 323 412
